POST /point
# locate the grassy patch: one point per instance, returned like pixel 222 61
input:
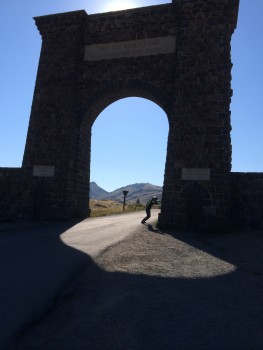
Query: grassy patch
pixel 108 207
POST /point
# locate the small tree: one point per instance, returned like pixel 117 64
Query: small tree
pixel 138 203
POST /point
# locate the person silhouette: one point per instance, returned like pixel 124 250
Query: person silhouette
pixel 148 208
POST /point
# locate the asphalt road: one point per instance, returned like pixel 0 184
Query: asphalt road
pixel 92 236
pixel 39 259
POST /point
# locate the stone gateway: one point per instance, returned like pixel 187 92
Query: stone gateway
pixel 176 55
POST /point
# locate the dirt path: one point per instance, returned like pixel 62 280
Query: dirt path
pixel 162 291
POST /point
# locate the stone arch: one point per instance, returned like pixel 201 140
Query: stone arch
pixel 117 90
pixel 172 54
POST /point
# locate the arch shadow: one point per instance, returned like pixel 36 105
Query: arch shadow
pixel 119 309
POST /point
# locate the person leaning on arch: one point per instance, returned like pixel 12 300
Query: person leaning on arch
pixel 148 208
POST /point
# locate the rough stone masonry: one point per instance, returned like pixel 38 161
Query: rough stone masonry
pixel 177 55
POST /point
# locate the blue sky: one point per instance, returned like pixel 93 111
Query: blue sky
pixel 140 127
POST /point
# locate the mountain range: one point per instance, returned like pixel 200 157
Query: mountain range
pixel 141 191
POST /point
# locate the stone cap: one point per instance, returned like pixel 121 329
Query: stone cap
pixel 58 21
pixel 233 6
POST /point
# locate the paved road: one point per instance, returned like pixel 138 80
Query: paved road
pixel 37 260
pixel 92 236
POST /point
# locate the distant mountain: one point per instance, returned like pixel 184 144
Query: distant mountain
pixel 96 192
pixel 141 191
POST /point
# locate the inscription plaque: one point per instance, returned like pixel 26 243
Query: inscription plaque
pixel 197 174
pixel 43 170
pixel 133 48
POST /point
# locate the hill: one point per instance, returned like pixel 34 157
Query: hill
pixel 96 192
pixel 141 191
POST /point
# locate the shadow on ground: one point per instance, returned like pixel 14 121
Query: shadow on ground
pixel 35 265
pixel 117 303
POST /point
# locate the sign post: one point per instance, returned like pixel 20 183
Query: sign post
pixel 124 198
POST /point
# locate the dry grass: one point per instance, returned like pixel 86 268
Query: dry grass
pixel 108 207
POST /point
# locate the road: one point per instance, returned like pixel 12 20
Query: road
pixel 39 259
pixel 92 236
pixel 173 290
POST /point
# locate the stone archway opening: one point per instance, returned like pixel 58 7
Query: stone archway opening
pixel 95 105
pixel 129 142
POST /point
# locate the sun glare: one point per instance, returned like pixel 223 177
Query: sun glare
pixel 118 5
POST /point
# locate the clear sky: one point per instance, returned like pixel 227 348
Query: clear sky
pixel 136 150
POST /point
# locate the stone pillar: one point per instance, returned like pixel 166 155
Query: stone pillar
pixel 53 134
pixel 199 148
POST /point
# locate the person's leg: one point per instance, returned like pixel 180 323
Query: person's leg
pixel 148 212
